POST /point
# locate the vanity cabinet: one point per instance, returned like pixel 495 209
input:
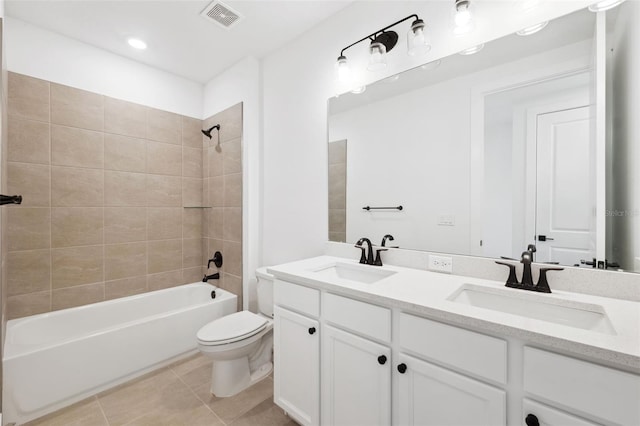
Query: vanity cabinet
pixel 297 352
pixel 534 412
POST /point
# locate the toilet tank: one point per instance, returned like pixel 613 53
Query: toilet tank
pixel 265 291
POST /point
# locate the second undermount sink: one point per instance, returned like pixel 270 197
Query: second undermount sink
pixel 571 313
pixel 353 272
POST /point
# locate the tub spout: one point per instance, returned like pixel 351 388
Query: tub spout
pixel 215 276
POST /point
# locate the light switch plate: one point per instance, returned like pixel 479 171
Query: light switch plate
pixel 440 263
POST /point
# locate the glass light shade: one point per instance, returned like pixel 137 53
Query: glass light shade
pixel 418 42
pixel 136 43
pixel 377 56
pixel 532 29
pixel 604 5
pixel 462 17
pixel 472 50
pixel 342 69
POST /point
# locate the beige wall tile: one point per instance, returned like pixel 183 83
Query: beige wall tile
pixel 340 237
pixel 192 132
pixel 192 162
pixel 192 223
pixel 216 161
pixel 164 280
pixel 164 191
pixel 125 189
pixel 164 223
pixel 28 304
pixel 124 153
pixel 28 97
pixel 232 224
pixel 338 152
pixel 191 191
pixel 230 123
pixel 337 186
pixel 125 287
pixel 76 108
pixel 28 271
pixel 191 253
pixel 233 190
pixel 164 159
pixel 125 224
pixel 232 253
pixel 76 226
pixel 216 191
pixel 28 141
pixel 125 260
pixel 125 118
pixel 233 284
pixel 164 255
pixel 29 228
pixel 76 187
pixel 76 266
pixel 76 147
pixel 192 275
pixel 77 296
pixel 337 220
pixel 232 156
pixel 32 181
pixel 216 222
pixel 163 126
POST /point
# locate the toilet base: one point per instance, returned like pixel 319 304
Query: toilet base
pixel 231 377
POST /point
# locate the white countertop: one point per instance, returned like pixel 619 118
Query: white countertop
pixel 424 292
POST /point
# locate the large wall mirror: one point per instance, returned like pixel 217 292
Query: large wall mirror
pixel 490 152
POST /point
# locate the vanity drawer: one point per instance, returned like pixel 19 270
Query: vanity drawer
pixel 464 350
pixel 296 297
pixel 364 318
pixel 609 394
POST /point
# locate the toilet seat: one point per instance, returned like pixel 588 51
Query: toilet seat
pixel 231 328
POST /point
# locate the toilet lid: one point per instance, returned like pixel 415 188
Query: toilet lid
pixel 231 328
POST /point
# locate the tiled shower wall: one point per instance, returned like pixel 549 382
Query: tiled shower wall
pixel 223 194
pixel 338 191
pixel 105 183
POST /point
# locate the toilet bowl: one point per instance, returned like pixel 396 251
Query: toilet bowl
pixel 241 344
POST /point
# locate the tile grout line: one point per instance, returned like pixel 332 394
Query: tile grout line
pixel 50 206
pixel 104 415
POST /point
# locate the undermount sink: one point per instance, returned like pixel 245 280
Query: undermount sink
pixel 364 274
pixel 536 306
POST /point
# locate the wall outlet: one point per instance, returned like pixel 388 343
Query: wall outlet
pixel 447 220
pixel 440 263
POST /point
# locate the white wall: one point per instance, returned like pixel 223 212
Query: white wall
pixel 299 78
pixel 626 136
pixel 241 83
pixel 50 56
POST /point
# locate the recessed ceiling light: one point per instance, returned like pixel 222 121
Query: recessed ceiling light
pixel 136 43
pixel 472 50
pixel 532 29
pixel 603 5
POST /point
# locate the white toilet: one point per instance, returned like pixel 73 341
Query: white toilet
pixel 241 344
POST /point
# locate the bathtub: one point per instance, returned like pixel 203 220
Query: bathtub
pixel 55 359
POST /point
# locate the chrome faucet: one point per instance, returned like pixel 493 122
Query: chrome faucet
pixel 527 277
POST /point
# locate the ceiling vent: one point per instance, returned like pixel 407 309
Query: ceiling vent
pixel 221 14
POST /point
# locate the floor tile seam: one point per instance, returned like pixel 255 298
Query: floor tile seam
pixel 199 399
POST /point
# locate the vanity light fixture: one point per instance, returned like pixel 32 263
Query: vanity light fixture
pixel 382 41
pixel 472 50
pixel 431 65
pixel 462 17
pixel 359 90
pixel 136 43
pixel 532 29
pixel 603 5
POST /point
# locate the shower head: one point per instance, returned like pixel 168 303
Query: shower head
pixel 207 133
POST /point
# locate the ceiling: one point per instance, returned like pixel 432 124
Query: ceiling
pixel 179 40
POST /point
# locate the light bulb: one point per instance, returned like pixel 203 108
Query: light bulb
pixel 137 43
pixel 603 5
pixel 462 18
pixel 418 39
pixel 377 56
pixel 342 69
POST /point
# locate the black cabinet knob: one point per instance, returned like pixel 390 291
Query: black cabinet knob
pixel 402 368
pixel 312 330
pixel 382 360
pixel 531 420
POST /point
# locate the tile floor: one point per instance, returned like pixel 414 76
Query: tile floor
pixel 177 395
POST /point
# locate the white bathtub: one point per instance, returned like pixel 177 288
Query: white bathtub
pixel 55 359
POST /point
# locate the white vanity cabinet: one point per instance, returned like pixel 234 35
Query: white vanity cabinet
pixel 297 352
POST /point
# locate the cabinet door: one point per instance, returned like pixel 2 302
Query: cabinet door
pixel 356 380
pixel 296 371
pixel 431 395
pixel 547 416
